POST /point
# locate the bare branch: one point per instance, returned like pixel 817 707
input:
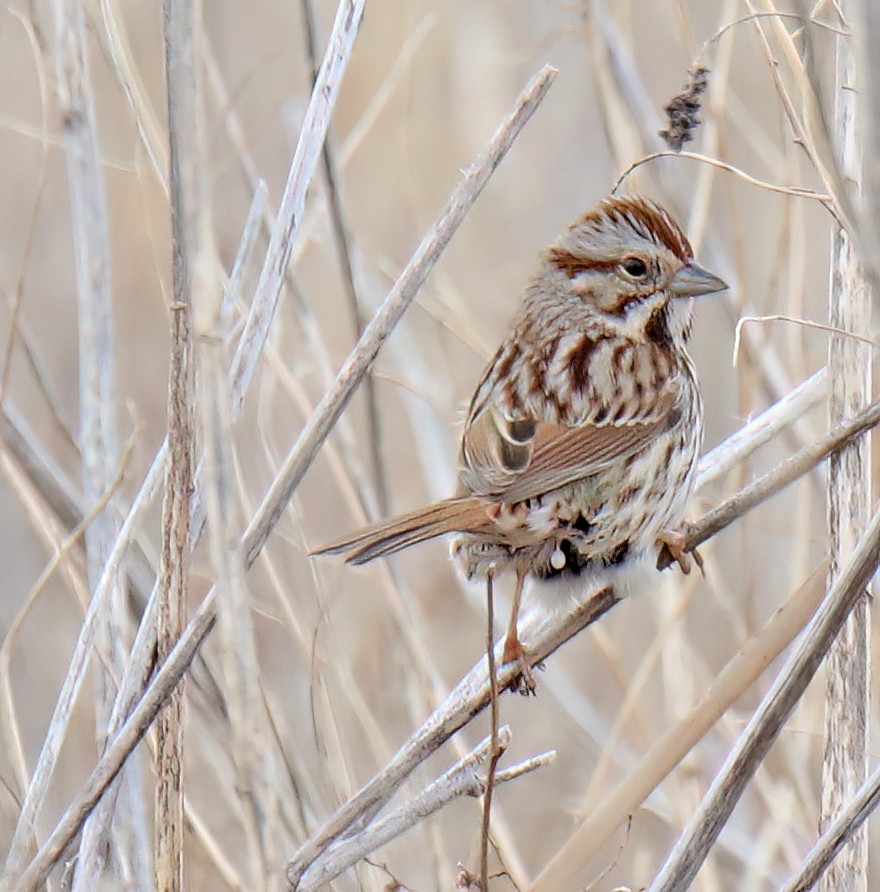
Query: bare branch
pixel 463 779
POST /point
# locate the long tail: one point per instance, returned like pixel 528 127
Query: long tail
pixel 389 536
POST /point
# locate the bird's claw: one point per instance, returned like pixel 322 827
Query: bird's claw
pixel 524 681
pixel 673 549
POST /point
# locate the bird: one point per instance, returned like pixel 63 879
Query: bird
pixel 582 437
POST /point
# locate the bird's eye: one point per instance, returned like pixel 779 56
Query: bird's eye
pixel 635 267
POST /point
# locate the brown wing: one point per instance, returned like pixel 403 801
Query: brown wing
pixel 517 459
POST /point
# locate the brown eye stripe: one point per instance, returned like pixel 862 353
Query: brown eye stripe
pixel 571 264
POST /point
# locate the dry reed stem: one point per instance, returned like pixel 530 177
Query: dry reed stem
pixel 257 327
pixel 847 695
pixel 693 845
pixel 185 158
pixel 290 211
pixel 99 445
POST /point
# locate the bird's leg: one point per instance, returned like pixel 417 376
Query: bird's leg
pixel 513 648
pixel 672 542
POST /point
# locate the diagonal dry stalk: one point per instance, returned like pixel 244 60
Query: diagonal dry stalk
pixel 344 250
pixel 837 834
pixel 462 779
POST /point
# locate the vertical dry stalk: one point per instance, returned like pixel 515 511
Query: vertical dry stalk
pixel 180 73
pixel 849 366
pixel 99 444
pixel 97 394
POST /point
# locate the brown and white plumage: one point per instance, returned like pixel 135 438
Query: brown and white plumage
pixel 583 433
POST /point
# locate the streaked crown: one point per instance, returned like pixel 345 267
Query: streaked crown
pixel 614 228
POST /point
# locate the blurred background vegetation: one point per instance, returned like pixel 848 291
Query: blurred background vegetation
pixel 351 661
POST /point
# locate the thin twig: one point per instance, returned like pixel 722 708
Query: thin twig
pixel 495 751
pixel 807 323
pixel 796 191
pixel 290 212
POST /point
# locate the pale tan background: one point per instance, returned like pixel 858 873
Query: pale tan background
pixel 344 687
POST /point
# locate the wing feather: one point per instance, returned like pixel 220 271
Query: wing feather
pixel 498 462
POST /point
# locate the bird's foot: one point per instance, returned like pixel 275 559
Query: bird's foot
pixel 514 652
pixel 673 549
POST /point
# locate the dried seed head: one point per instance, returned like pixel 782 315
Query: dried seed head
pixel 683 110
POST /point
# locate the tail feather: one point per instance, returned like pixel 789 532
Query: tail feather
pixel 456 515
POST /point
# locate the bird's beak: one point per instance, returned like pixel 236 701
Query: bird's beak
pixel 692 281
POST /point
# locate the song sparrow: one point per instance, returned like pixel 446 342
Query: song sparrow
pixel 582 437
